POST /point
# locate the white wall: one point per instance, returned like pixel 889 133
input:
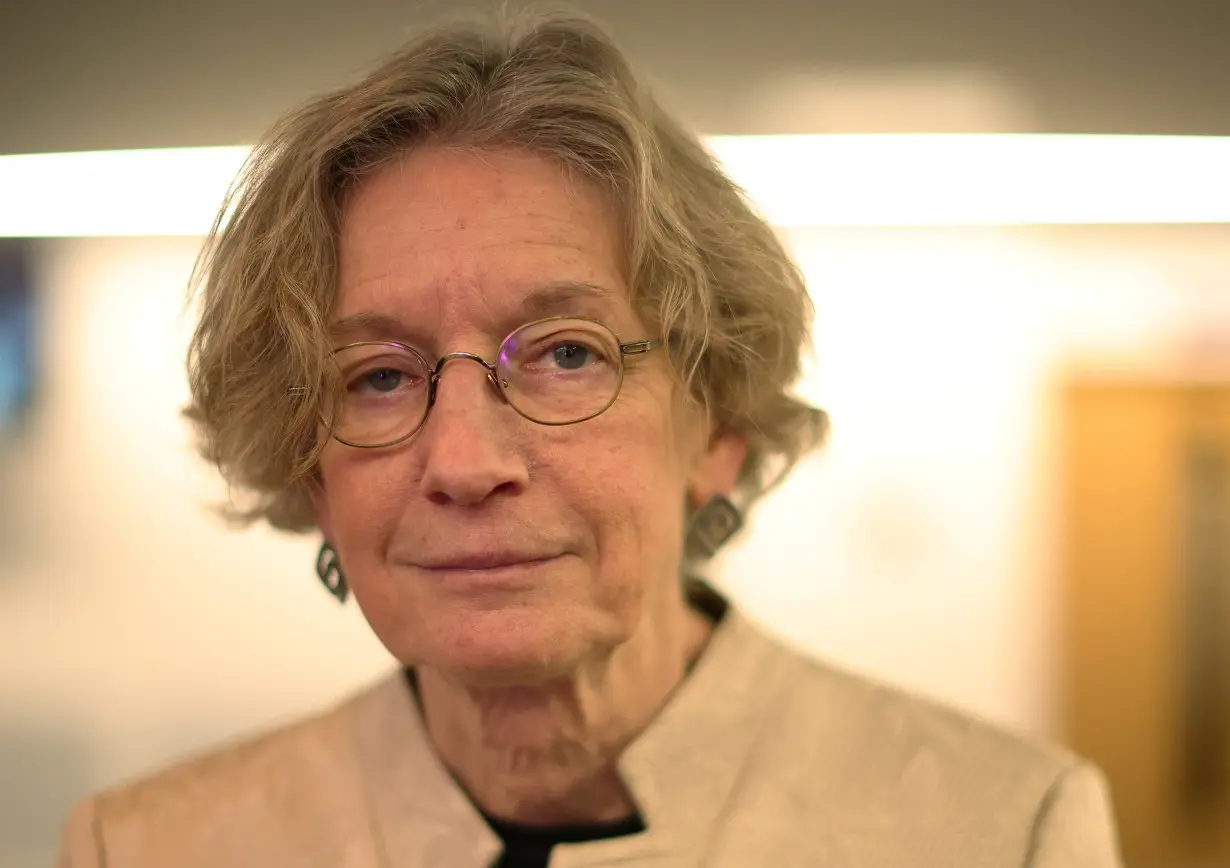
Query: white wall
pixel 903 549
pixel 918 547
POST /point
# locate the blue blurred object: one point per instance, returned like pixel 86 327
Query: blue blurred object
pixel 17 332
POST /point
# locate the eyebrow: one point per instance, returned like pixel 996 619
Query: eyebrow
pixel 368 323
pixel 560 298
pixel 564 297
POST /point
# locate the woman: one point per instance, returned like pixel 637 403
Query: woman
pixel 498 329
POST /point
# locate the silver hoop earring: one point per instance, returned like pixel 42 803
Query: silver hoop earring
pixel 329 571
pixel 712 526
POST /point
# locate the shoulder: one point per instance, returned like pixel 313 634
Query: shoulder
pixel 830 712
pixel 257 793
pixel 265 767
pixel 872 756
pixel 914 732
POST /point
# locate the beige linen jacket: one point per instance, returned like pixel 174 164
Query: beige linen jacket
pixel 761 758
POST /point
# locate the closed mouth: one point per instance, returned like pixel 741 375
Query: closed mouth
pixel 486 561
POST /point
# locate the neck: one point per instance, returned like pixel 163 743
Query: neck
pixel 546 754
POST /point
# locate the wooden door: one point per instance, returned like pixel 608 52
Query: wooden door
pixel 1146 636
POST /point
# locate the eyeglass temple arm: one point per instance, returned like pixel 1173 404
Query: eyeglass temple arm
pixel 635 348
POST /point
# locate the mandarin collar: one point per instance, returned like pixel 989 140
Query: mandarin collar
pixel 680 770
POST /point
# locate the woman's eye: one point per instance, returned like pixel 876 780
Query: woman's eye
pixel 382 380
pixel 571 356
pixel 558 353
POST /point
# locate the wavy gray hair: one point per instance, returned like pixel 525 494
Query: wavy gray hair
pixel 706 269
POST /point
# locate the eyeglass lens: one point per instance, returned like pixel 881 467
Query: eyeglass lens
pixel 554 372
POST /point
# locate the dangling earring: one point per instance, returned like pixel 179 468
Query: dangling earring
pixel 329 570
pixel 712 526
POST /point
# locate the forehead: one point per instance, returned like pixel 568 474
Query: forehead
pixel 450 240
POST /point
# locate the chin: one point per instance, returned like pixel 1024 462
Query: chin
pixel 511 646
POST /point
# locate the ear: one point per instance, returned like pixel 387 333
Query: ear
pixel 717 469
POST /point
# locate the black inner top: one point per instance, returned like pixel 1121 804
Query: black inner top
pixel 530 846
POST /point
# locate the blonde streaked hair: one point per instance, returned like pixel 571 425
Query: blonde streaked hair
pixel 706 269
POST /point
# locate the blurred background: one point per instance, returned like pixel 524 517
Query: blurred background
pixel 1023 509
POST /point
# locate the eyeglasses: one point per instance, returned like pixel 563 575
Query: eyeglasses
pixel 556 371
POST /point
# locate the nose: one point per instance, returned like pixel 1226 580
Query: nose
pixel 469 453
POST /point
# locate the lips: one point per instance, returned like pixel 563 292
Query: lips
pixel 474 561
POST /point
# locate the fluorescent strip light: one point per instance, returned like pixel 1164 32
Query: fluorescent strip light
pixel 175 191
pixel 981 180
pixel 796 181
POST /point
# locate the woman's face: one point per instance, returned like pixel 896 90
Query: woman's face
pixel 487 546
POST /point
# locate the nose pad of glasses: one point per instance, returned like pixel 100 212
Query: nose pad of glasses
pixel 498 383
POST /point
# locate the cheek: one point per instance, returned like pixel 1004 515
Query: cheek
pixel 638 479
pixel 365 494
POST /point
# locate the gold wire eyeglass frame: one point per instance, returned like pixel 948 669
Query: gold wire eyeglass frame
pixel 630 348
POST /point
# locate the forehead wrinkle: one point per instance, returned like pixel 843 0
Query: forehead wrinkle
pixel 494 286
pixel 462 307
pixel 447 254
